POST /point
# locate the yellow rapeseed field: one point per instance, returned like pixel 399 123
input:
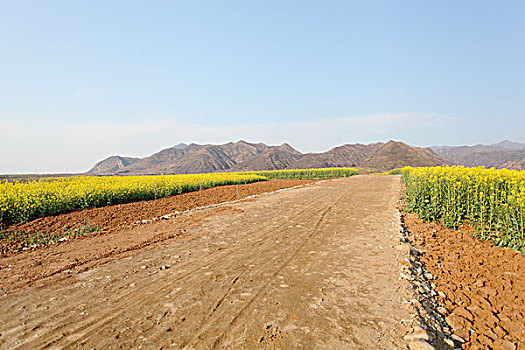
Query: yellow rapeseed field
pixel 21 202
pixel 493 200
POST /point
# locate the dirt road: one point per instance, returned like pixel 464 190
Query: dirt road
pixel 312 267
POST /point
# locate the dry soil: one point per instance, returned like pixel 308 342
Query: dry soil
pixel 313 267
pixel 481 286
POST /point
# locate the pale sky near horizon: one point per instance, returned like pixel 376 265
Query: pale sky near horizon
pixel 83 80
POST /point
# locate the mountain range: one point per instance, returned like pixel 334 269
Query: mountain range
pixel 505 154
pixel 243 156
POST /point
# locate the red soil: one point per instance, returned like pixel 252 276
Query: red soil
pixel 484 285
pixel 112 217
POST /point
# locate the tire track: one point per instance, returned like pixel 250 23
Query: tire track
pixel 264 289
pixel 227 285
pixel 134 297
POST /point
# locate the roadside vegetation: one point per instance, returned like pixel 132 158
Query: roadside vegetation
pixel 33 239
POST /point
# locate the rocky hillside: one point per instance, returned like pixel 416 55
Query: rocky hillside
pixel 195 158
pixel 239 156
pixel 281 157
pixel 112 165
pixel 351 155
pixel 505 154
pixel 397 154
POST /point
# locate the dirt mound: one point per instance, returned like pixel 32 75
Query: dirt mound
pixel 107 218
pixel 481 286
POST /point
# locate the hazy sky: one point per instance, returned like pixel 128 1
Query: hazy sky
pixel 83 80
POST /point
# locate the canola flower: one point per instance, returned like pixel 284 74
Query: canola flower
pixel 493 200
pixel 21 202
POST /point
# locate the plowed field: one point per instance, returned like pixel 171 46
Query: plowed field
pixel 483 286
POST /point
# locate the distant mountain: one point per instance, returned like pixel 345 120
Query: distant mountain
pixel 241 156
pixel 196 159
pixel 505 154
pixel 112 165
pixel 460 151
pixel 509 145
pixel 180 146
pixel 351 155
pixel 273 159
pixel 377 156
pixel 397 154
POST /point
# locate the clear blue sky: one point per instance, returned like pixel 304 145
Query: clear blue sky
pixel 82 80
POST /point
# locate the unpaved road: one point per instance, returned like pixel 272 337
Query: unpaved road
pixel 311 268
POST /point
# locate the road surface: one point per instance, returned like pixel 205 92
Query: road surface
pixel 313 268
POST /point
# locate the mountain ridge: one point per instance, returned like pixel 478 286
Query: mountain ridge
pixel 504 154
pixel 245 156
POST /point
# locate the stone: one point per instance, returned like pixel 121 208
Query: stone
pixel 405 248
pixel 449 342
pixel 457 338
pixel 415 251
pixel 418 344
pixel 405 263
pixel 413 336
pixel 442 310
pixel 421 333
pixel 455 321
pixel 425 287
pixel 463 333
pixel 405 276
pixel 428 276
